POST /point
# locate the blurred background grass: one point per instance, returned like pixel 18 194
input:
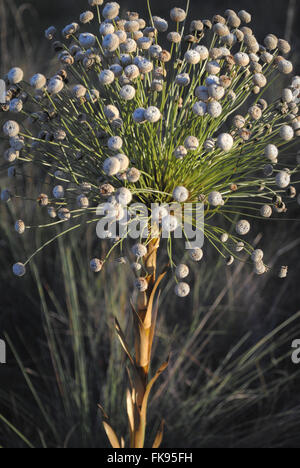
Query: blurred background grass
pixel 231 382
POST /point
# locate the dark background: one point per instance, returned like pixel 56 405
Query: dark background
pixel 268 414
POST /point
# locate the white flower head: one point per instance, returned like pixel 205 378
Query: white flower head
pixel 87 40
pixel 283 179
pixel 215 199
pixel 182 290
pixel 11 128
pixel 196 254
pixel 182 271
pixel 243 227
pixel 96 265
pixel 139 250
pixel 180 194
pixel 19 269
pixel 15 75
pixel 225 142
pixel 111 166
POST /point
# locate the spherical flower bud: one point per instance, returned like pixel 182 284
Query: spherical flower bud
pixel 271 152
pixel 283 179
pixel 79 91
pixel 115 143
pixel 283 272
pixel 201 92
pixel 19 269
pixel 38 81
pixel 50 33
pixel 15 75
pixel 43 199
pixel 221 29
pixel 127 92
pixel 178 15
pixel 141 284
pixel 64 214
pixel 259 268
pixel 16 105
pixel 180 194
pixel 215 199
pixel 87 40
pixel 129 46
pixel 245 16
pixel 287 95
pixel 242 227
pixel 257 256
pixel 183 79
pixel 58 191
pixel 224 237
pixel 196 254
pixel 11 128
pixel 213 68
pixel 83 201
pixel 123 196
pixel 20 226
pixel 191 143
pixel 259 80
pixel 139 250
pixel 255 112
pixel 214 109
pixel 182 290
pixel 152 114
pixel 169 223
pixel 136 267
pixel 160 24
pixel 200 108
pixel 180 152
pixel 192 57
pixel 271 42
pixel 216 91
pixel 106 77
pixel 111 166
pixel 285 67
pixel 286 133
pixel 266 57
pixel 111 42
pixel 111 112
pixel 55 85
pixel 139 115
pixel 10 155
pixel 133 175
pixel 111 10
pixel 182 271
pixel 240 247
pixel 108 28
pixel 96 265
pixel 86 17
pixel 283 46
pixel 225 142
pixel 266 211
pixel 202 51
pixel 242 59
pixel 239 121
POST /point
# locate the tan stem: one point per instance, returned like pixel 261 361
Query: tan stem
pixel 144 335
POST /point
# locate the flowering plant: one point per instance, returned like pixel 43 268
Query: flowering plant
pixel 125 121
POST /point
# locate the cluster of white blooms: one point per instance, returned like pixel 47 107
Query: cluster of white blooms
pixel 125 120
